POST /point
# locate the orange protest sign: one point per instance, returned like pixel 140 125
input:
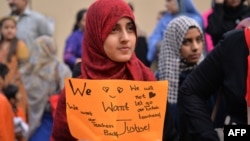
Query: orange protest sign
pixel 116 110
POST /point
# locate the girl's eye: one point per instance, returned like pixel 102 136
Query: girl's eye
pixel 199 39
pixel 115 29
pixel 131 28
pixel 185 42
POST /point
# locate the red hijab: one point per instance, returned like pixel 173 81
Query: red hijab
pixel 101 18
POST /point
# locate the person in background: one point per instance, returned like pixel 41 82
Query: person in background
pixel 208 39
pixel 15 54
pixel 7 132
pixel 73 48
pixel 43 76
pixel 10 43
pixel 20 122
pixel 108 53
pixel 225 67
pixel 226 16
pixel 160 14
pixel 141 48
pixel 174 8
pixel 154 40
pixel 180 53
pixel 154 64
pixel 30 24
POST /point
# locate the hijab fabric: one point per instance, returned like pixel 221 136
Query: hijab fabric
pixel 101 18
pixel 39 78
pixel 170 62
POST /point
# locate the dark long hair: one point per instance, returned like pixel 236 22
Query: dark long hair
pixel 13 44
pixel 3 70
pixel 79 16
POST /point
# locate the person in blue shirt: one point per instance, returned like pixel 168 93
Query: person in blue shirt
pixel 73 47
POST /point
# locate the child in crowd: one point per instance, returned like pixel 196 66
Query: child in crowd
pixel 14 53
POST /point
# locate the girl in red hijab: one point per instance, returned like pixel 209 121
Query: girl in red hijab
pixel 108 53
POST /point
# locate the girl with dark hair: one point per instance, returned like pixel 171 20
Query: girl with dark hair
pixel 13 53
pixel 73 47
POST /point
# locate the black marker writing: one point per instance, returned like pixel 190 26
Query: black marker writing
pixel 140 96
pixel 86 113
pixel 88 91
pixel 134 128
pixel 114 108
pixel 138 103
pixel 149 116
pixel 149 88
pixel 109 133
pixel 102 125
pixel 73 107
pixel 134 88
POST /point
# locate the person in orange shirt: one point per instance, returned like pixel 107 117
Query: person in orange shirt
pixel 6 113
pixel 20 123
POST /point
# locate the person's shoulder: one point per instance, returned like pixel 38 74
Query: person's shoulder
pixel 64 68
pixel 167 17
pixel 73 35
pixel 233 34
pixel 232 41
pixel 36 15
pixel 21 43
pixel 3 99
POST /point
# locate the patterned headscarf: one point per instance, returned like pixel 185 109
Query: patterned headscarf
pixel 101 18
pixel 42 76
pixel 170 57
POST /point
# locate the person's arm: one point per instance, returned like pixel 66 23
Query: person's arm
pixel 77 70
pixel 69 51
pixel 22 53
pixel 60 129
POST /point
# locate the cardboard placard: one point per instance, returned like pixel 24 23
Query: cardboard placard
pixel 116 110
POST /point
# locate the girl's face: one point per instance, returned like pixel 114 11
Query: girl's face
pixel 8 29
pixel 232 3
pixel 120 43
pixel 172 6
pixel 83 21
pixel 192 45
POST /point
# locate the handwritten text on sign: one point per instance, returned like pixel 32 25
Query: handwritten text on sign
pixel 116 109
